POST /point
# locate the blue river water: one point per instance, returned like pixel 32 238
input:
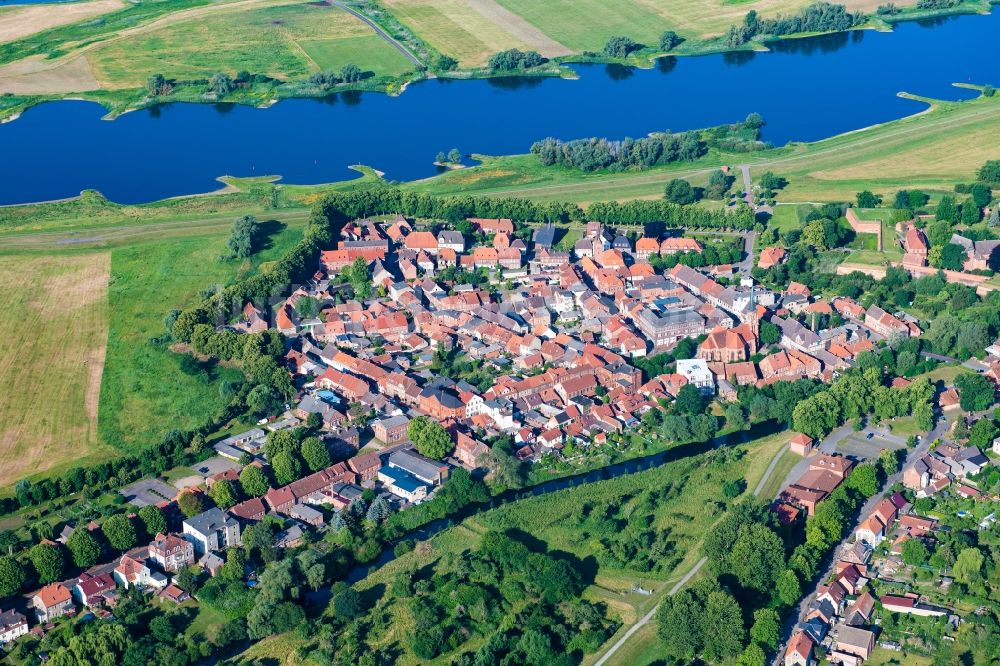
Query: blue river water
pixel 805 89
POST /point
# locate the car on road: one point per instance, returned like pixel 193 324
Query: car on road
pixel 869 435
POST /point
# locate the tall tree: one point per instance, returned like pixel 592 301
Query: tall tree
pixel 48 562
pixel 120 532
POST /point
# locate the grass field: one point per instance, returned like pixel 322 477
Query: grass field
pixel 53 331
pixel 22 20
pixel 285 40
pixel 144 393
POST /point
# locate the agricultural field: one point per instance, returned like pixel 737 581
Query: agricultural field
pixel 471 30
pixel 284 40
pixel 22 20
pixel 53 331
pixel 281 39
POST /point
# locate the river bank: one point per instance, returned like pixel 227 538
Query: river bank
pixel 119 101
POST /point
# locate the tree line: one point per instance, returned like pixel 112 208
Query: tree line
pixel 594 153
pixel 817 17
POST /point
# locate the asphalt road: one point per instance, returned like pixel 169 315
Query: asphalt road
pixel 380 32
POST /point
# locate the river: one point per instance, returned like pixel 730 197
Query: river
pixel 806 89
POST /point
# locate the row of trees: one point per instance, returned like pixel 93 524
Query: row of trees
pixel 349 73
pixel 513 60
pixel 594 154
pixel 856 394
pixel 817 17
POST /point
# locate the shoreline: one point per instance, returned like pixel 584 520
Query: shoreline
pixel 559 67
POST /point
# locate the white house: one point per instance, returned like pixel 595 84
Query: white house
pixel 13 625
pixel 696 372
pixel 212 530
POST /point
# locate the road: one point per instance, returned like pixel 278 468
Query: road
pixel 645 619
pixel 380 32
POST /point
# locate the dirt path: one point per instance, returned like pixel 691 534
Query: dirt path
pixel 647 618
pixel 25 20
pixel 519 28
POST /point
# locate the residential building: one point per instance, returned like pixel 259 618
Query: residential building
pixel 171 552
pixel 52 601
pixel 13 625
pixel 212 530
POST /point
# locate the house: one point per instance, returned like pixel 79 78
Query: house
pixel 391 430
pixel 728 345
pixel 249 511
pixel 403 484
pixel 909 605
pixel 212 530
pixel 133 572
pixel 696 372
pixel 678 245
pixel 94 589
pixel 426 470
pixel 855 641
pixel 452 240
pixel 771 256
pixel 174 594
pixel 801 444
pixel 52 601
pixel 871 531
pixel 171 552
pixel 799 650
pixel 306 514
pixel 211 563
pixel 365 466
pixel 860 610
pixel 13 625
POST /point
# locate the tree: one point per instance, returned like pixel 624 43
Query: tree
pixel 989 172
pixel 454 156
pixel 254 481
pixel 766 629
pixel 83 548
pixel 157 85
pixel 513 59
pixel 724 617
pixel 351 73
pixel 244 237
pixel 769 333
pixel 689 400
pixel 190 503
pixel 757 556
pixel 976 393
pixel 947 210
pixel 120 532
pixel 224 493
pixel 441 157
pixel 287 467
pixel 48 562
pixel 315 454
pixel 430 437
pixel 915 552
pixel 753 655
pixel 620 47
pixel 788 587
pixel 12 576
pixel 864 479
pixel 378 511
pixel 668 40
pixel 153 520
pixel 868 200
pixel 679 627
pixel 346 602
pixel 221 84
pixel 446 63
pixel 968 566
pixel 262 399
pixel 679 191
